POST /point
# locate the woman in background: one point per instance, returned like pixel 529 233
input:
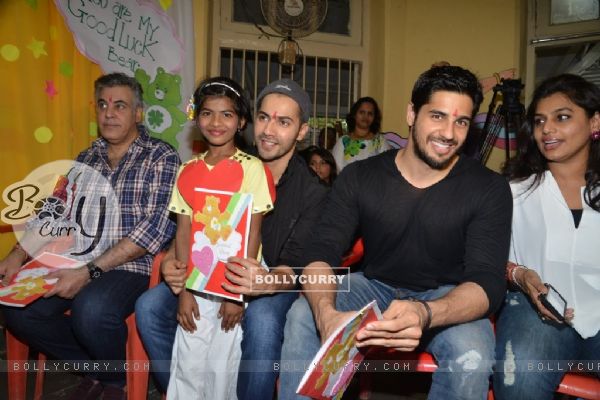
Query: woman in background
pixel 555 180
pixel 363 139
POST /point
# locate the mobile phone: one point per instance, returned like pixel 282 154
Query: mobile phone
pixel 554 302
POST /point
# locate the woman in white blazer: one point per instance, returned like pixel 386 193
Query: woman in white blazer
pixel 555 179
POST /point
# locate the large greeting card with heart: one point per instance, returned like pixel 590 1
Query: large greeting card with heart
pixel 220 229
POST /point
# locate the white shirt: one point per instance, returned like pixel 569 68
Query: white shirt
pixel 544 238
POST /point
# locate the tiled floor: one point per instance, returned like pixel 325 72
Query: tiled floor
pixel 58 385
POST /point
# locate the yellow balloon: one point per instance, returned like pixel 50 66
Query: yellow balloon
pixel 43 134
pixel 10 52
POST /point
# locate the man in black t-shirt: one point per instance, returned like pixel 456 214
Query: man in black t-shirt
pixel 436 231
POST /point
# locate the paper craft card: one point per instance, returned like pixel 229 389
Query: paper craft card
pixel 332 369
pixel 29 284
pixel 220 229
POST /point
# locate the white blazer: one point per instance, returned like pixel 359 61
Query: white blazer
pixel 544 238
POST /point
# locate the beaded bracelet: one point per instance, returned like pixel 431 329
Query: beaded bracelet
pixel 511 274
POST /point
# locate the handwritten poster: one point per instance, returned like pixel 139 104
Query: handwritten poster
pixel 123 35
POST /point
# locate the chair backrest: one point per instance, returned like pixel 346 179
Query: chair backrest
pixel 355 255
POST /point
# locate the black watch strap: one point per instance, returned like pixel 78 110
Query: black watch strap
pixel 94 270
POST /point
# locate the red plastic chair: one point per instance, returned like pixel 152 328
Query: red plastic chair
pixel 572 384
pixel 137 381
pixel 355 254
pixel 579 385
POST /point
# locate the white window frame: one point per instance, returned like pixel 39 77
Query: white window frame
pixel 544 29
pixel 354 39
pixel 226 33
pixel 540 33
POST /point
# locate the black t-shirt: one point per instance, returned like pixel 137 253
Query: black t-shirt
pixel 455 231
pixel 286 230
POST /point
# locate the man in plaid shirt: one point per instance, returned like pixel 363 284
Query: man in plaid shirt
pixel 102 294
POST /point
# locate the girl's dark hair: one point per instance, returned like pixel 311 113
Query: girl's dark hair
pixel 530 161
pixel 222 86
pixel 326 155
pixel 351 120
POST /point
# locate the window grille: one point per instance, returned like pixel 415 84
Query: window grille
pixel 332 84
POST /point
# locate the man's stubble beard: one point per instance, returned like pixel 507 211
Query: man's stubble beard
pixel 431 162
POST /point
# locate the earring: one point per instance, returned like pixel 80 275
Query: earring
pixel 595 135
pixel 190 109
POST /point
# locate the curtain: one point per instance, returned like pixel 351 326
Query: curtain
pixel 47 99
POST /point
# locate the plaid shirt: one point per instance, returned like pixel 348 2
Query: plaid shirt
pixel 143 182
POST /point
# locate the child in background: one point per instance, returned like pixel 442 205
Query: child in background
pixel 322 162
pixel 206 352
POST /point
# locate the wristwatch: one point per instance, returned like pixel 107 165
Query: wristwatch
pixel 94 270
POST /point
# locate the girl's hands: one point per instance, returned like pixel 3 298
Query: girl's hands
pixel 231 313
pixel 187 311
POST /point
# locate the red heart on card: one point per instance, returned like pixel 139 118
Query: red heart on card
pixel 226 175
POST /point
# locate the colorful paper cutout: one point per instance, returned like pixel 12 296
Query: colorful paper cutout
pixel 226 175
pixel 331 370
pixel 43 134
pixel 51 89
pixel 165 4
pixel 162 97
pixel 37 48
pixel 93 129
pixel 10 52
pixel 66 69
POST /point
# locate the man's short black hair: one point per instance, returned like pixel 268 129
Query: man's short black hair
pixel 119 79
pixel 449 78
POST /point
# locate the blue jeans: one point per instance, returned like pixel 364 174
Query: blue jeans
pixel 95 328
pixel 466 350
pixel 532 354
pixel 156 318
pixel 263 323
